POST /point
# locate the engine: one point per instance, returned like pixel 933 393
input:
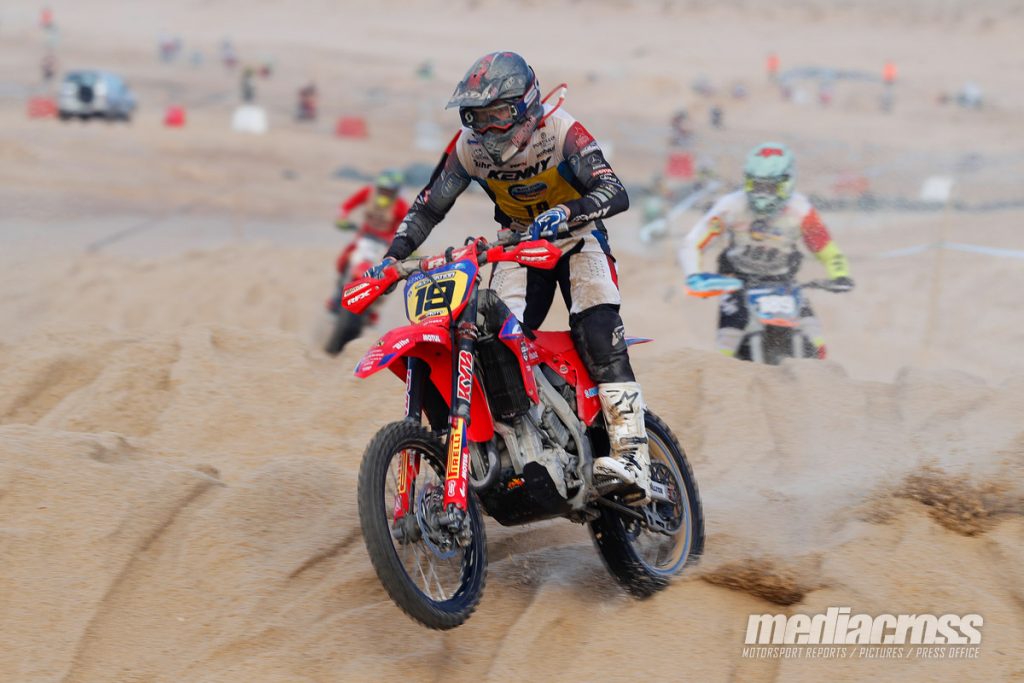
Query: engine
pixel 539 453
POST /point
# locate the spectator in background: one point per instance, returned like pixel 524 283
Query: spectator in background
pixel 248 85
pixel 49 67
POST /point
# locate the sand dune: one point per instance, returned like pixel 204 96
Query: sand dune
pixel 154 545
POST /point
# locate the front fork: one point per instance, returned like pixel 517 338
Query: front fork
pixel 456 483
pixel 409 461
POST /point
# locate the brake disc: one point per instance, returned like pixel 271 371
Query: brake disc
pixel 436 537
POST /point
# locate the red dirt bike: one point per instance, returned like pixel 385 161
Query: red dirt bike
pixel 513 426
pixel 365 252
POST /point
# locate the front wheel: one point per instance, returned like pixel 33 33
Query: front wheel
pixel 435 576
pixel 347 327
pixel 644 555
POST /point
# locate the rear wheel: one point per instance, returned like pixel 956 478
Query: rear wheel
pixel 347 327
pixel 644 555
pixel 435 576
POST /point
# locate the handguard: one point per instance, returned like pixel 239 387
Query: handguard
pixel 535 254
pixel 360 293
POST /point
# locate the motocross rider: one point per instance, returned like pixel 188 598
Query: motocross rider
pixel 545 174
pixel 764 223
pixel 381 219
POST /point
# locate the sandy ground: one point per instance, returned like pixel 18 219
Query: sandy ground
pixel 178 459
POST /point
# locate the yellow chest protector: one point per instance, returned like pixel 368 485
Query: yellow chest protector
pixel 532 181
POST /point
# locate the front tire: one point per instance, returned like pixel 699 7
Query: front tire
pixel 625 545
pixel 347 327
pixel 436 584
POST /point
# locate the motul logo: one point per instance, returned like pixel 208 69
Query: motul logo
pixel 770 152
pixel 465 375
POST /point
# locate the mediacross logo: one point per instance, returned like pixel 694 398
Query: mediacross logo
pixel 839 627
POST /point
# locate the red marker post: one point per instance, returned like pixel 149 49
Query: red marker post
pixel 771 66
pixel 889 73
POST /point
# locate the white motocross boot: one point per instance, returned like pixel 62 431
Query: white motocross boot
pixel 629 460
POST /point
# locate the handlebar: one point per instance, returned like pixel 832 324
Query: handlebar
pixel 506 238
pixel 826 285
pixel 509 246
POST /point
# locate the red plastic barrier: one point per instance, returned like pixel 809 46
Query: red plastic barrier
pixel 679 166
pixel 351 127
pixel 851 184
pixel 174 117
pixel 42 108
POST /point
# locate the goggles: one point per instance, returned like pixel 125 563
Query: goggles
pixel 767 186
pixel 500 115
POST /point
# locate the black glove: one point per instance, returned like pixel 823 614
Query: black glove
pixel 840 284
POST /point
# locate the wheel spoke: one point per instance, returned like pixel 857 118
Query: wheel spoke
pixel 419 568
pixel 440 589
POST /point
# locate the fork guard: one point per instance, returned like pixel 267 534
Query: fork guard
pixel 433 345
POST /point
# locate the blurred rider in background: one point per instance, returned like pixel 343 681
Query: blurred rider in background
pixel 384 212
pixel 548 178
pixel 764 224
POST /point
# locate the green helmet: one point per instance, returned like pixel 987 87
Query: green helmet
pixel 389 183
pixel 769 174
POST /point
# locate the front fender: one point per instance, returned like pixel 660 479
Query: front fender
pixel 433 345
pixel 400 342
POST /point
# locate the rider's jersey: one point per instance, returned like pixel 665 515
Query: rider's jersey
pixel 759 245
pixel 381 218
pixel 562 164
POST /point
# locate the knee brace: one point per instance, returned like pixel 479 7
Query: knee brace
pixel 600 339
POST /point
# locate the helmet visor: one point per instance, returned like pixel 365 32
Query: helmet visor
pixel 500 115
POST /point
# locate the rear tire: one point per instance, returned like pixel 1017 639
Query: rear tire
pixel 347 327
pixel 617 538
pixel 376 520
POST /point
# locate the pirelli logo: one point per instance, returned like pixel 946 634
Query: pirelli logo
pixel 403 473
pixel 455 448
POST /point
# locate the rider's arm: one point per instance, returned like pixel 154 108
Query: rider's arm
pixel 604 194
pixel 703 235
pixel 449 180
pixel 355 200
pixel 398 214
pixel 819 242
